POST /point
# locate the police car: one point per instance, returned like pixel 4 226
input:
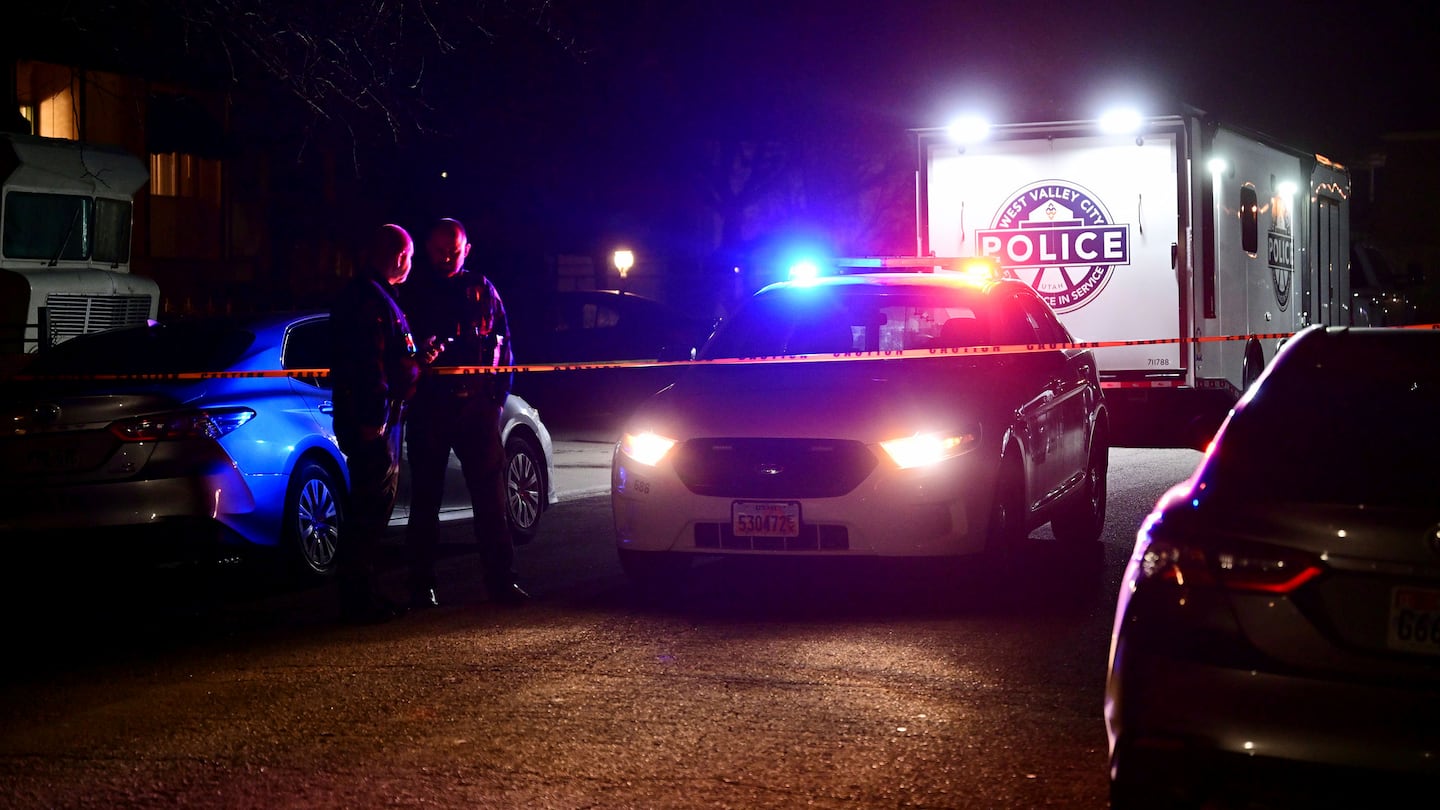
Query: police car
pixel 887 413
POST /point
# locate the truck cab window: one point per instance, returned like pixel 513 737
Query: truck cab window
pixel 46 226
pixel 1249 220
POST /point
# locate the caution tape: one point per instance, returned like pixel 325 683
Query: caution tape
pixel 823 357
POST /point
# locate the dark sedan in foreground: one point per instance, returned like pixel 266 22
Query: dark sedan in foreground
pixel 1276 641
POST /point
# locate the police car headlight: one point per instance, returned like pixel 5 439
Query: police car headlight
pixel 925 449
pixel 645 447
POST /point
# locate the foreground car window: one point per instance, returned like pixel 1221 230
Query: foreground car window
pixel 160 349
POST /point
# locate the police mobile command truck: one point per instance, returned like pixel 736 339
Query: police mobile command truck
pixel 1188 248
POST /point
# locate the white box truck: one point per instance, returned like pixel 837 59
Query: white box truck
pixel 1188 248
pixel 66 210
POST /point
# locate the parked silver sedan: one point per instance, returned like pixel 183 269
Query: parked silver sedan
pixel 172 442
pixel 1276 640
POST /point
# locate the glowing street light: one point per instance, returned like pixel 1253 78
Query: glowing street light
pixel 624 260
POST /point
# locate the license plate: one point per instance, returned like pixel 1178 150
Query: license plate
pixel 1414 620
pixel 44 456
pixel 765 518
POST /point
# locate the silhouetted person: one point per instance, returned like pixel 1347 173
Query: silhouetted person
pixel 373 371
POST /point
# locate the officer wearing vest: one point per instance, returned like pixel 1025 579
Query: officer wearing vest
pixel 374 368
pixel 461 311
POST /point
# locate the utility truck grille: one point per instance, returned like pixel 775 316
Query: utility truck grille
pixel 68 315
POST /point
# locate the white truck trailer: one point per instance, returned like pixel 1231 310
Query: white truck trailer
pixel 1188 248
pixel 66 210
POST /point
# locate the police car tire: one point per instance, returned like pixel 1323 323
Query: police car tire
pixel 1081 521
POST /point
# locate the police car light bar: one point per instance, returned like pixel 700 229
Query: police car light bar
pixel 971 265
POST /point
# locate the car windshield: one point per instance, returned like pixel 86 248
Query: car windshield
pixel 1353 427
pixel 169 348
pixel 816 320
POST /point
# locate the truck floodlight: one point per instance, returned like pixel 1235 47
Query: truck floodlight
pixel 1121 121
pixel 1287 188
pixel 968 129
pixel 1217 166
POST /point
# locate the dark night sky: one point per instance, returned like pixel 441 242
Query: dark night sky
pixel 1329 76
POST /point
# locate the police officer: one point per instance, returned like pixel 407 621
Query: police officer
pixel 373 371
pixel 461 311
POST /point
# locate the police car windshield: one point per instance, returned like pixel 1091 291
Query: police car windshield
pixel 820 320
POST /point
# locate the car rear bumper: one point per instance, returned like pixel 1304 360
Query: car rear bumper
pixel 1181 712
pixel 133 507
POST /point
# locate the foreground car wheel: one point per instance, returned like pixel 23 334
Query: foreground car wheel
pixel 1082 521
pixel 313 517
pixel 524 487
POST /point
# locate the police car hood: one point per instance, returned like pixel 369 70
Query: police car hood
pixel 865 400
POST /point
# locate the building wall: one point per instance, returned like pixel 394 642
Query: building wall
pixel 200 228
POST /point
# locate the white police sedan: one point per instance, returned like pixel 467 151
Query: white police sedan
pixel 880 414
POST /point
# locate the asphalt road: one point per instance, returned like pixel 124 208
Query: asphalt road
pixel 757 687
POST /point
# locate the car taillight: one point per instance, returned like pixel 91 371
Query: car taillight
pixel 206 424
pixel 1238 567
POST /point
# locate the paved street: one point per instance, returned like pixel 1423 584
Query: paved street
pixel 582 469
pixel 837 687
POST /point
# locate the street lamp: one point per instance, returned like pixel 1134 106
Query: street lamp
pixel 624 260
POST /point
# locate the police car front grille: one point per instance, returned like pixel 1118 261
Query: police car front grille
pixel 812 537
pixel 773 468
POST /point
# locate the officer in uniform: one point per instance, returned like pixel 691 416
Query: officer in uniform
pixel 373 372
pixel 461 311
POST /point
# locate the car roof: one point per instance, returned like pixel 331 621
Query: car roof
pixel 187 343
pixel 1365 351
